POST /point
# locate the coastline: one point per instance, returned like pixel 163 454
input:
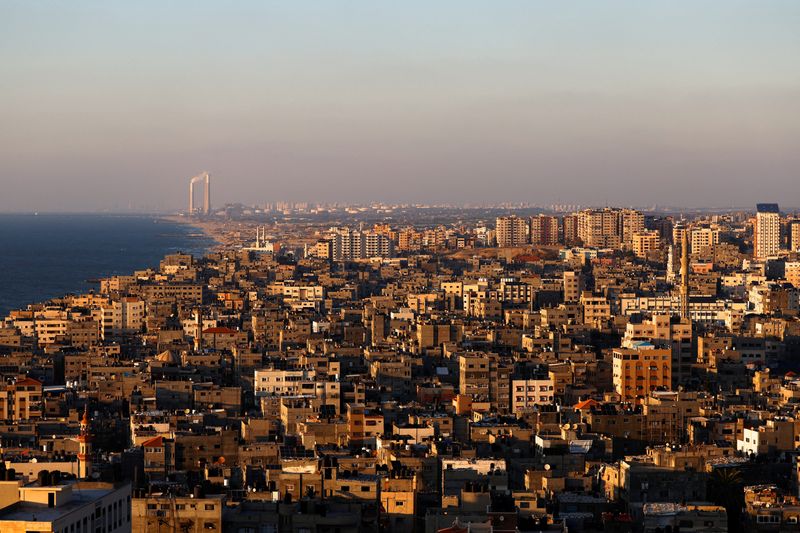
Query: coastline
pixel 83 253
pixel 208 229
pixel 227 235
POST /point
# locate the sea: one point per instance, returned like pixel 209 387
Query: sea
pixel 44 256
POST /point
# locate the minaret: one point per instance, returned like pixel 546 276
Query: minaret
pixel 85 447
pixel 198 338
pixel 685 274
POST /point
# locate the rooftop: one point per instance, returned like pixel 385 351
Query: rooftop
pixel 23 511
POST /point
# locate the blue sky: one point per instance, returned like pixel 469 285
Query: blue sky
pixel 106 105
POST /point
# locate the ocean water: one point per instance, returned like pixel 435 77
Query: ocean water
pixel 49 255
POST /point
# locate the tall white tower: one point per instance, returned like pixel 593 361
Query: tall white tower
pixel 767 231
pixel 205 179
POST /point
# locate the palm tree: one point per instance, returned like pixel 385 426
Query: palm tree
pixel 725 488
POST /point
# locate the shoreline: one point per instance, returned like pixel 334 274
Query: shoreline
pixel 89 281
pixel 206 228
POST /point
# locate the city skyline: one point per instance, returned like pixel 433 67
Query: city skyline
pixel 427 267
pixel 622 103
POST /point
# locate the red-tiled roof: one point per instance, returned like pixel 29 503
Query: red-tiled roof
pixel 587 404
pixel 28 381
pixel 155 442
pixel 219 330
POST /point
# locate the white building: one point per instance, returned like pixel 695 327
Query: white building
pixel 349 244
pixel 767 231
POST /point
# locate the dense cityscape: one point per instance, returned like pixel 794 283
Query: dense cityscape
pixel 418 267
pixel 431 369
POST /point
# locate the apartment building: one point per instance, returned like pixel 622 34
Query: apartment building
pixel 21 400
pixel 609 227
pixel 348 244
pixel 645 243
pixel 53 505
pixel 512 231
pixel 484 377
pixel 544 230
pixel 637 373
pixel 118 317
pixel 767 231
pixel 793 233
pixel 531 388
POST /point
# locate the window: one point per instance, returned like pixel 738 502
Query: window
pixel 210 507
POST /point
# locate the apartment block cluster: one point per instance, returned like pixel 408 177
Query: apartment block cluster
pixel 580 383
pixel 600 228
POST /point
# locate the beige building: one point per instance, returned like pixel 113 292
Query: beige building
pixel 527 392
pixel 703 239
pixel 398 499
pixel 646 242
pixel 53 506
pixel 21 400
pixel 609 227
pixel 126 315
pixel 161 512
pixel 512 231
pixel 596 309
pixel 632 222
pixel 792 273
pixel 483 377
pixel 793 231
pixel 573 286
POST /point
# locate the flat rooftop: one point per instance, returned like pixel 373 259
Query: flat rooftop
pixel 33 512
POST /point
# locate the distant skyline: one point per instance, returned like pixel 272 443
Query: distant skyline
pixel 110 105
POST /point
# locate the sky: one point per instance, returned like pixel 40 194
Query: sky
pixel 115 105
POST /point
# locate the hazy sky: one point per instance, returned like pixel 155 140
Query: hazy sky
pixel 109 104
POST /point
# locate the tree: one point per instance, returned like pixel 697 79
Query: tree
pixel 726 488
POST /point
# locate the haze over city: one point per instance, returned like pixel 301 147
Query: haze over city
pixel 418 267
pixel 113 106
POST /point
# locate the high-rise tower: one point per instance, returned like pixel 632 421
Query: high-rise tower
pixel 205 179
pixel 767 231
pixel 685 275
